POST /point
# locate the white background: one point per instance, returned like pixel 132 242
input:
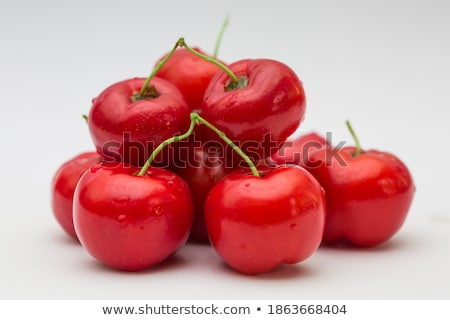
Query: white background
pixel 382 64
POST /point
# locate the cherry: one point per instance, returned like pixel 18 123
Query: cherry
pixel 129 119
pixel 127 126
pixel 131 220
pixel 190 73
pixel 201 165
pixel 257 103
pixel 257 223
pixel 368 193
pixel 63 187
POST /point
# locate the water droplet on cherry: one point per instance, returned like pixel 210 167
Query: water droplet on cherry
pixel 122 218
pixel 158 210
pixel 121 200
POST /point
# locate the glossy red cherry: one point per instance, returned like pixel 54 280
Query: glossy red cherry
pixel 202 166
pixel 190 74
pixel 131 222
pixel 257 223
pixel 261 110
pixel 368 194
pixel 127 127
pixel 63 187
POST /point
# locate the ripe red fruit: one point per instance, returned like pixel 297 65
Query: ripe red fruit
pixel 201 166
pixel 127 129
pixel 259 112
pixel 131 222
pixel 368 194
pixel 63 187
pixel 190 74
pixel 258 223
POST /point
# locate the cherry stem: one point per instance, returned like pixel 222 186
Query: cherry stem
pixel 195 119
pixel 355 138
pixel 219 38
pixel 227 140
pixel 148 91
pixel 234 78
pixel 164 144
pixel 158 67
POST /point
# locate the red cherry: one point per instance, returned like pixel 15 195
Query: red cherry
pixel 190 74
pixel 259 112
pixel 258 223
pixel 63 187
pixel 201 166
pixel 131 222
pixel 128 130
pixel 368 195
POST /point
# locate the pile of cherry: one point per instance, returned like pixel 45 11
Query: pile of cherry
pixel 201 150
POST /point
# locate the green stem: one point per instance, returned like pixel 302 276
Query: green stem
pixel 229 142
pixel 195 118
pixel 163 145
pixel 158 67
pixel 355 138
pixel 219 38
pixel 234 78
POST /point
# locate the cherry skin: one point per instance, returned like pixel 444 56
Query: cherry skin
pixel 128 131
pixel 368 195
pixel 63 187
pixel 296 151
pixel 257 223
pixel 190 74
pixel 202 166
pixel 131 222
pixel 264 109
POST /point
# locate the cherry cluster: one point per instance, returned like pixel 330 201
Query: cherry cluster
pixel 201 150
